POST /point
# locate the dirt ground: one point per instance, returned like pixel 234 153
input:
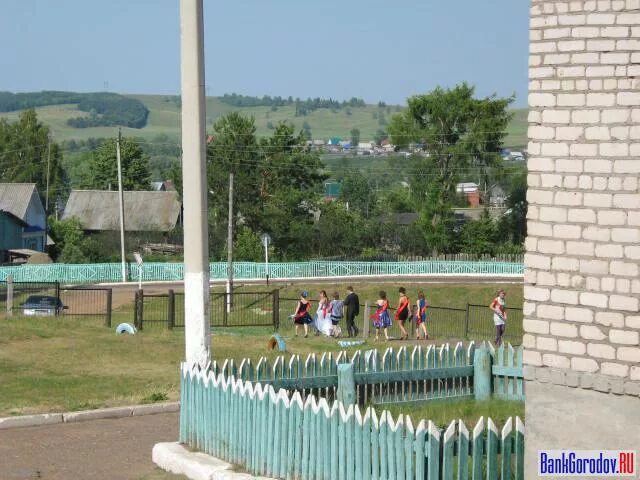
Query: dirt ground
pixel 118 449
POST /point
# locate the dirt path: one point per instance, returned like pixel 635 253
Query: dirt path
pixel 97 450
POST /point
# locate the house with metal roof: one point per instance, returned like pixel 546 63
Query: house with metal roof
pixel 144 211
pixel 23 202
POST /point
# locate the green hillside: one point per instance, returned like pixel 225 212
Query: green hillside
pixel 164 118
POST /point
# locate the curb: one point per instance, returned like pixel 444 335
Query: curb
pixel 175 458
pixel 86 415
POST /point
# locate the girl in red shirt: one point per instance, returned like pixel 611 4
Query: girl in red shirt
pixel 402 312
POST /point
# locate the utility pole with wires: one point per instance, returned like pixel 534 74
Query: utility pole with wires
pixel 46 199
pixel 121 196
pixel 197 331
pixel 230 248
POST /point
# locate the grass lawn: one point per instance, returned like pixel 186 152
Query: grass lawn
pixel 442 412
pixel 66 363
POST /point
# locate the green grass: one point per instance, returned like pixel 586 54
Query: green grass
pixel 442 412
pixel 53 364
pixel 164 118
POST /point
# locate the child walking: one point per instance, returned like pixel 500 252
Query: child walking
pixel 499 308
pixel 335 311
pixel 301 316
pixel 421 316
pixel 381 319
pixel 402 312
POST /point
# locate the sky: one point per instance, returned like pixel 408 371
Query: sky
pixel 373 49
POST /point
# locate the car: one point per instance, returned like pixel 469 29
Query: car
pixel 42 306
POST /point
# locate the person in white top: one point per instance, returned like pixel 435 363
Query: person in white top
pixel 499 308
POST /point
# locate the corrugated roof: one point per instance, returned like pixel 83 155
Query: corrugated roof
pixel 15 198
pixel 143 211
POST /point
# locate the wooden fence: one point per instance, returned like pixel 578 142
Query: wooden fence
pixel 395 375
pixel 271 433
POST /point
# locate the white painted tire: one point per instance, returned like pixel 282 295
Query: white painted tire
pixel 125 328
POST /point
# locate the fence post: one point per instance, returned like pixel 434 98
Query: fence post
pixel 346 384
pixel 9 295
pixel 482 373
pixel 135 309
pixel 171 307
pixel 107 318
pixel 276 309
pixel 365 325
pixel 225 314
pixel 466 321
pixel 57 289
pixel 140 309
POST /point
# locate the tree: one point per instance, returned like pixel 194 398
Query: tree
pixel 379 136
pixel 355 136
pixel 480 237
pixel 71 244
pixel 459 132
pixel 104 167
pixel 356 191
pixel 24 154
pixel 277 183
pixel 513 227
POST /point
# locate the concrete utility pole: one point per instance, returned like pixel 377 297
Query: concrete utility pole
pixel 194 168
pixel 230 247
pixel 121 196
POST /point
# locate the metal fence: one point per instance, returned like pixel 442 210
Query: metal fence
pixel 240 309
pixel 88 303
pixel 155 271
pixel 79 302
pixel 23 290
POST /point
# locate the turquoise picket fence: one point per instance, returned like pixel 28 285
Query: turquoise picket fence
pixel 392 376
pixel 280 435
pixel 112 272
pixel 506 369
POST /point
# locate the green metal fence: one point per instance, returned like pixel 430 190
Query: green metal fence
pixel 112 272
pixel 278 434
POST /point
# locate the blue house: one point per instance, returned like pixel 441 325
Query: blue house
pixel 22 201
pixel 11 230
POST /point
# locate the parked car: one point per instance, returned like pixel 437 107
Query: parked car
pixel 42 306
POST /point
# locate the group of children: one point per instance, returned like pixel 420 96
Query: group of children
pixel 418 312
pixel 330 313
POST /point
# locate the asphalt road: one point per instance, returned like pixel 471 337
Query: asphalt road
pixel 117 449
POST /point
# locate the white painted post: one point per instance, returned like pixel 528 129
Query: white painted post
pixel 194 168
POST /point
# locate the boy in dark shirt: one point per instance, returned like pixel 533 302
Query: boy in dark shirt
pixel 352 302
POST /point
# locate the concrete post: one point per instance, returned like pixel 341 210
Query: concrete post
pixel 194 168
pixel 9 295
pixel 346 384
pixel 482 373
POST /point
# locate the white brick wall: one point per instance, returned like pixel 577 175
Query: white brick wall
pixel 582 285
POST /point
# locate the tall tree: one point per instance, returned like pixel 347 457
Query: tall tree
pixel 459 132
pixel 355 136
pixel 277 182
pixel 104 167
pixel 24 155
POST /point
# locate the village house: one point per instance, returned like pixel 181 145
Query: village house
pixel 23 209
pixel 99 210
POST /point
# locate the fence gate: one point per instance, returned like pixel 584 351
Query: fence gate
pixel 240 309
pixel 23 290
pixel 91 303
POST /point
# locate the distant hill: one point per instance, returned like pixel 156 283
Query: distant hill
pixel 164 119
